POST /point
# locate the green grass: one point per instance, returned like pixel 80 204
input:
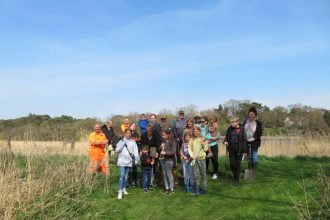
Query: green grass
pixel 266 197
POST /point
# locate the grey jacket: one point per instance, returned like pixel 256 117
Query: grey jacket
pixel 124 157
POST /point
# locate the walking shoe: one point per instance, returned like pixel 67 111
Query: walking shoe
pixel 145 190
pixel 215 176
pixel 120 194
pixel 125 192
pixel 202 191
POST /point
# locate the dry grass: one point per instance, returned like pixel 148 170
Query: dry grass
pixel 30 185
pixel 314 146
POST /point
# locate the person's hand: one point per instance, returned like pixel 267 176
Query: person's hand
pixel 156 155
pixel 162 152
pixel 225 143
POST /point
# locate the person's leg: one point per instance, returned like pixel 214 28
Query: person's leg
pixel 169 168
pixel 203 175
pixel 134 176
pixel 163 166
pixel 185 175
pixel 144 179
pixel 148 179
pixel 238 165
pixel 254 158
pixel 121 178
pixel 127 170
pixel 207 161
pixel 215 162
pixel 191 180
pixel 232 161
pixel 197 176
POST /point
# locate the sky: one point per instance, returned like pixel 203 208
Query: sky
pixel 95 58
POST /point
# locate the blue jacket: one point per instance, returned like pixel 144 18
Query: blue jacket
pixel 143 125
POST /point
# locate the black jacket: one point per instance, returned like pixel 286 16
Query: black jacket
pixel 155 141
pixel 110 134
pixel 257 135
pixel 242 143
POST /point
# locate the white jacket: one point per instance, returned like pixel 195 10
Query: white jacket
pixel 124 158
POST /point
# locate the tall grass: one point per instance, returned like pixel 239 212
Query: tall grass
pixel 31 186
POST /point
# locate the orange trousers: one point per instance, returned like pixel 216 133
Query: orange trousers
pixel 97 158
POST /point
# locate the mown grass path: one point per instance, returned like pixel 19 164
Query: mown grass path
pixel 266 197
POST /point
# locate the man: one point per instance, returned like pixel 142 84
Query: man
pixel 197 120
pixel 177 129
pixel 97 155
pixel 163 124
pixel 143 123
pixel 125 125
pixel 155 124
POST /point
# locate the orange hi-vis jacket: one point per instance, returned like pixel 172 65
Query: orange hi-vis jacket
pixel 97 151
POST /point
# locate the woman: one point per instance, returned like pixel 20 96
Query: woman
pixel 253 130
pixel 166 158
pixel 128 156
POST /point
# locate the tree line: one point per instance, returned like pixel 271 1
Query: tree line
pixel 295 119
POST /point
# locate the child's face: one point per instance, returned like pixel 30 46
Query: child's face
pixel 145 151
pixel 164 135
pixel 197 133
pixel 234 124
pixel 187 138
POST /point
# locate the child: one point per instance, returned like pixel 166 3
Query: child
pixel 146 166
pixel 186 160
pixel 127 157
pixel 236 145
pixel 167 157
pixel 212 137
pixel 197 147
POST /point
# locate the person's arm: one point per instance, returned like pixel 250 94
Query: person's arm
pixel 171 150
pixel 120 146
pixel 190 149
pixel 136 153
pixel 205 146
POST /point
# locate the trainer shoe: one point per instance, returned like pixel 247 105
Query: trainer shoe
pixel 215 176
pixel 120 194
pixel 125 192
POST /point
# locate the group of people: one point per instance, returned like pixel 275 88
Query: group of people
pixel 162 148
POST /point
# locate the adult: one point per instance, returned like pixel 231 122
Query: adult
pixel 128 156
pixel 197 119
pixel 253 130
pixel 143 123
pixel 178 126
pixel 125 125
pixel 155 124
pixel 213 136
pixel 163 124
pixel 203 126
pixel 97 155
pixel 110 133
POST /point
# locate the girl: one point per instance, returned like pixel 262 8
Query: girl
pixel 197 147
pixel 186 160
pixel 189 126
pixel 128 156
pixel 167 157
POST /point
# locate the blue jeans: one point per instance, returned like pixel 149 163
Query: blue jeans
pixel 253 158
pixel 123 176
pixel 146 178
pixel 188 176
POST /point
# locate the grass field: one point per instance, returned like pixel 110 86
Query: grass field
pixel 59 187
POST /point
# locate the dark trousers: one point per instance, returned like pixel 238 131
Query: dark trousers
pixel 132 178
pixel 214 158
pixel 235 161
pixel 146 178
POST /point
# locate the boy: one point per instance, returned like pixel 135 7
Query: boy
pixel 236 145
pixel 146 166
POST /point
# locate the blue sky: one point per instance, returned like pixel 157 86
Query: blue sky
pixel 94 58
